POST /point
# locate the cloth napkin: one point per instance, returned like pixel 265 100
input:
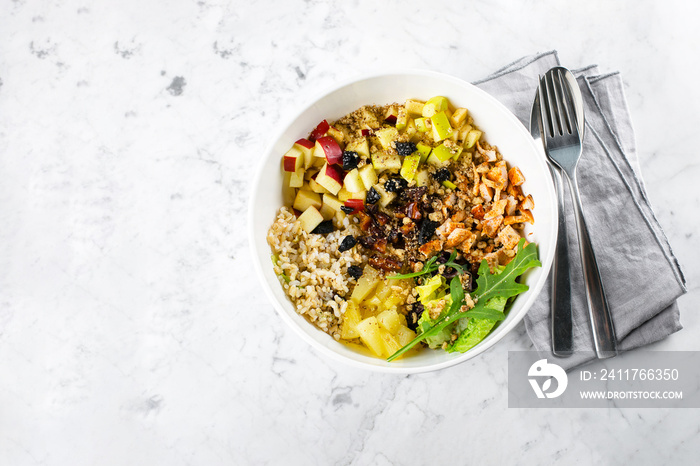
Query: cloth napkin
pixel 641 276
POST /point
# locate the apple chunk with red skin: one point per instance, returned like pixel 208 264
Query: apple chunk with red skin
pixel 307 148
pixel 319 130
pixel 293 160
pixel 330 148
pixel 331 178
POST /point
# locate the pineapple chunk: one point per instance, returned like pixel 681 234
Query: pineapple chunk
pixel 367 282
pixel 348 329
pixel 391 345
pixel 390 321
pixel 404 335
pixel 370 335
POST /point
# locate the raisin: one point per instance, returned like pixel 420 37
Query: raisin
pixel 347 243
pixel 395 185
pixel 414 314
pixel 442 174
pixel 323 228
pixel 354 271
pixel 405 148
pixel 350 159
pixel 367 241
pixel 372 196
pixel 427 229
pixel 346 209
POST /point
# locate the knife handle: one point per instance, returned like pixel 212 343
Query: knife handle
pixel 561 321
pixel 604 337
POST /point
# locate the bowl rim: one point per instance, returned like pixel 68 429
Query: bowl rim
pixel 313 98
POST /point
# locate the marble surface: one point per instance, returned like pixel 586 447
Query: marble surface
pixel 132 330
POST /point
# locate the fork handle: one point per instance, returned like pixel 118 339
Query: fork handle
pixel 562 326
pixel 602 325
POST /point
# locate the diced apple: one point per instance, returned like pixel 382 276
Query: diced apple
pixel 435 105
pixel 391 115
pixel 317 188
pixel 471 139
pixel 310 173
pixel 390 321
pixel 458 117
pixel 441 126
pixel 310 219
pixel 305 199
pixel 385 197
pixel 332 202
pixel 382 161
pixel 296 180
pixel 355 204
pixel 336 134
pixel 411 130
pixel 410 166
pixel 447 150
pixel 343 194
pixel 330 148
pixel 365 284
pixel 327 212
pixel 370 335
pixel 402 119
pixel 368 176
pixel 414 107
pixel 353 182
pixel 387 136
pixel 422 177
pixel 433 160
pixel 424 151
pixel 361 146
pixel 307 148
pixel 288 192
pixel 463 131
pixel 293 160
pixel 351 317
pixel 331 178
pixel 319 131
pixel 423 125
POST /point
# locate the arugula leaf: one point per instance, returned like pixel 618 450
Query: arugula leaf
pixel 491 294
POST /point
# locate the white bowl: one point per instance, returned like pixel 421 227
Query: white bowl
pixel 501 128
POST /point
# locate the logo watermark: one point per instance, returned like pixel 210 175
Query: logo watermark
pixel 541 369
pixel 642 379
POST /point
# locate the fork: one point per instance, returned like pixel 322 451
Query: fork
pixel 562 144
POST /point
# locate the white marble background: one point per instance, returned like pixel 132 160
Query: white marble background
pixel 132 330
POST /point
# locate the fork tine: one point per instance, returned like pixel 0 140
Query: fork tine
pixel 544 107
pixel 554 106
pixel 566 104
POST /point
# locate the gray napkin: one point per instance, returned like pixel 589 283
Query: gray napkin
pixel 641 276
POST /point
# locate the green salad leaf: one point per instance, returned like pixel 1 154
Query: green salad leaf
pixel 476 330
pixel 491 296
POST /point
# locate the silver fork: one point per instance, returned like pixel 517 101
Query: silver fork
pixel 562 144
